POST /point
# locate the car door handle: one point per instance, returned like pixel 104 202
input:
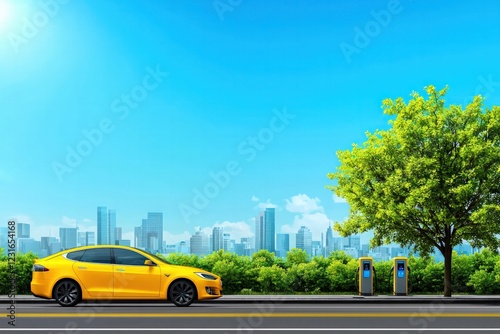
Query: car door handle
pixel 82 267
pixel 120 269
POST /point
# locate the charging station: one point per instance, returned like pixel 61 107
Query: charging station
pixel 400 281
pixel 366 273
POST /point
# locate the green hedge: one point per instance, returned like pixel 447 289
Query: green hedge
pixel 264 273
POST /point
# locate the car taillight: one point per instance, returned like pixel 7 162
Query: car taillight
pixel 39 267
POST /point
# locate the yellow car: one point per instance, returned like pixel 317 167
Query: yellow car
pixel 108 272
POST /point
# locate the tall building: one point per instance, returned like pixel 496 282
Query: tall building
pixel 247 247
pixel 152 232
pixel 329 242
pixel 227 245
pixel 316 248
pixel 46 244
pixel 106 224
pixel 259 232
pixel 282 244
pixel 25 245
pixel 86 238
pixel 68 237
pixel 265 226
pixel 304 240
pixel 138 237
pixel 270 230
pixel 23 230
pixel 118 235
pixel 183 247
pixel 199 243
pixel 352 241
pixel 112 226
pixel 217 238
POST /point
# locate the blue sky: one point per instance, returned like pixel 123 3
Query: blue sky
pixel 156 97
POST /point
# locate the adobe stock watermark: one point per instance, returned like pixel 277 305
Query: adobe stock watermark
pixel 31 26
pixel 486 87
pixel 223 6
pixel 363 36
pixel 248 149
pixel 120 107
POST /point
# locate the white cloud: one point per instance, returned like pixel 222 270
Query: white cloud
pixel 21 218
pixel 302 203
pixel 237 230
pixel 255 198
pixel 317 222
pixel 338 200
pixel 174 238
pixel 68 222
pixel 264 205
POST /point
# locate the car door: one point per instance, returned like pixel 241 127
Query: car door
pixel 95 271
pixel 132 278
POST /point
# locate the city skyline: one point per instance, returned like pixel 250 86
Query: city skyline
pixel 202 244
pixel 209 117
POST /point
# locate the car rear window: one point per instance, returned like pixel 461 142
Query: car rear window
pixel 97 255
pixel 75 256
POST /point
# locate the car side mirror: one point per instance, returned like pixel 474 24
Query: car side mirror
pixel 149 263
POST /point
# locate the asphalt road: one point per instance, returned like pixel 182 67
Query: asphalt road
pixel 245 318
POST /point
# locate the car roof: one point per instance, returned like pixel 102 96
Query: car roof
pixel 81 248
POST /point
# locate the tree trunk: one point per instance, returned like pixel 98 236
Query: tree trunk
pixel 448 286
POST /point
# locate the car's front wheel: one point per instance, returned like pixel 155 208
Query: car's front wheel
pixel 67 293
pixel 182 293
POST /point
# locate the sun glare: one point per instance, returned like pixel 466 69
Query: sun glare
pixel 4 13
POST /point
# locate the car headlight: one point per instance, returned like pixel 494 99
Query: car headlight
pixel 207 276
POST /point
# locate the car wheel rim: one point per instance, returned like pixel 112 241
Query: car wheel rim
pixel 67 293
pixel 182 293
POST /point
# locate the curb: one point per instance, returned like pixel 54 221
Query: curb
pixel 282 299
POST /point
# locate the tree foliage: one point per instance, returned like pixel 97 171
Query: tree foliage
pixel 478 273
pixel 431 180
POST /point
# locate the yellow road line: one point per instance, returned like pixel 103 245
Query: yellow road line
pixel 258 314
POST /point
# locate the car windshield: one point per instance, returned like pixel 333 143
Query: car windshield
pixel 157 258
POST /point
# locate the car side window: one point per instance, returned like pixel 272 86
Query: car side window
pixel 101 255
pixel 75 256
pixel 125 256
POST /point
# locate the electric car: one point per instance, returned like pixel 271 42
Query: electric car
pixel 109 272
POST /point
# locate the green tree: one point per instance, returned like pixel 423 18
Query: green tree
pixel 272 279
pixel 431 180
pixel 296 256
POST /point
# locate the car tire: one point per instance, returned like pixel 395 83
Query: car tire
pixel 67 293
pixel 182 293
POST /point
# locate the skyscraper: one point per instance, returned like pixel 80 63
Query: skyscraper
pixel 152 232
pixel 226 244
pixel 68 237
pixel 106 223
pixel 23 230
pixel 352 241
pixel 259 232
pixel 329 245
pixel 112 226
pixel 269 230
pixel 118 235
pixel 304 240
pixel 138 237
pixel 265 235
pixel 217 238
pixel 199 243
pixel 282 244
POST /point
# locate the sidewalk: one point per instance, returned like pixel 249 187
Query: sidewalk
pixel 309 299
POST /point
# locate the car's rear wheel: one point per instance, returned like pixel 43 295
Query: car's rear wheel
pixel 67 293
pixel 182 293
